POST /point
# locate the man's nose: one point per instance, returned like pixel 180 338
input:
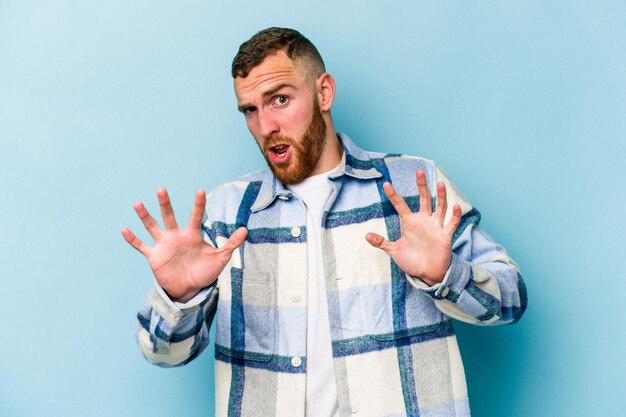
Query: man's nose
pixel 267 124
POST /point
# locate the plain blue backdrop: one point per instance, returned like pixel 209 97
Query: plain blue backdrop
pixel 102 102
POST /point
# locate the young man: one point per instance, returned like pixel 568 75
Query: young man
pixel 333 274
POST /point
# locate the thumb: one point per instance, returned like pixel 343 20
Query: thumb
pixel 379 242
pixel 236 239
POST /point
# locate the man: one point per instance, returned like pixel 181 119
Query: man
pixel 333 274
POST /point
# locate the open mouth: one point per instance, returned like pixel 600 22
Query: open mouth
pixel 280 150
pixel 279 154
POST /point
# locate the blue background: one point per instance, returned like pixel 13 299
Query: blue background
pixel 102 102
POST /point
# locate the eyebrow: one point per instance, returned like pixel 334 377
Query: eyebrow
pixel 270 93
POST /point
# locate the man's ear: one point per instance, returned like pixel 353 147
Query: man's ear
pixel 325 87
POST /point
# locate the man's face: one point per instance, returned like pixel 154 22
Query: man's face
pixel 280 105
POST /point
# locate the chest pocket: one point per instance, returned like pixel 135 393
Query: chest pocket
pixel 396 313
pixel 246 320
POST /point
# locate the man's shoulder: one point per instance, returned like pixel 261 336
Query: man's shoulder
pixel 400 168
pixel 224 203
pixel 402 158
pixel 235 188
pixel 401 162
pixel 361 158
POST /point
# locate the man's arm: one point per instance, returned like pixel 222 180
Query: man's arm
pixel 448 256
pixel 174 322
pixel 483 284
pixel 173 334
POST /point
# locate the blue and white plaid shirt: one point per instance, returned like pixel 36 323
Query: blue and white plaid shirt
pixel 394 348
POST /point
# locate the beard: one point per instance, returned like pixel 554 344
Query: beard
pixel 305 152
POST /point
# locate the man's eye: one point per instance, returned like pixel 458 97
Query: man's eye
pixel 248 111
pixel 280 100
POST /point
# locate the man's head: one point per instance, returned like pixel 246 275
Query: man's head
pixel 268 42
pixel 285 94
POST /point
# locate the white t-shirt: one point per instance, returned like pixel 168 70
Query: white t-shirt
pixel 321 387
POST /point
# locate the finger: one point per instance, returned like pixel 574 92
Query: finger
pixel 455 220
pixel 136 243
pixel 442 202
pixel 167 212
pixel 396 199
pixel 380 242
pixel 424 192
pixel 148 221
pixel 236 239
pixel 197 211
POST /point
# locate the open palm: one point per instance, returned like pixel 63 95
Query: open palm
pixel 424 248
pixel 182 261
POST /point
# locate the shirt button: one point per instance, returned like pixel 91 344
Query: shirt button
pixel 296 361
pixel 445 291
pixel 296 232
pixel 283 197
pixel 295 298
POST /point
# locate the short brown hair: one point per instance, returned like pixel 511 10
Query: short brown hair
pixel 271 40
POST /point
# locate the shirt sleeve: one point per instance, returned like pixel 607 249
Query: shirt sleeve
pixel 170 333
pixel 483 285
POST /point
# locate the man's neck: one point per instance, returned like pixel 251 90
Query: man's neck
pixel 331 155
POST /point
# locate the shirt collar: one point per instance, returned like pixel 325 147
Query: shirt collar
pixel 355 163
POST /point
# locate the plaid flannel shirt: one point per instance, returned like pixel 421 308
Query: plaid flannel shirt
pixel 394 348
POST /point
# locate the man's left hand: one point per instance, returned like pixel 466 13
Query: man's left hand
pixel 425 248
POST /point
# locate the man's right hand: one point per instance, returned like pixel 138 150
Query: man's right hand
pixel 182 262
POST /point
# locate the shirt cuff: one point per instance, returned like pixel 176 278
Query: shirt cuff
pixel 173 311
pixel 456 278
